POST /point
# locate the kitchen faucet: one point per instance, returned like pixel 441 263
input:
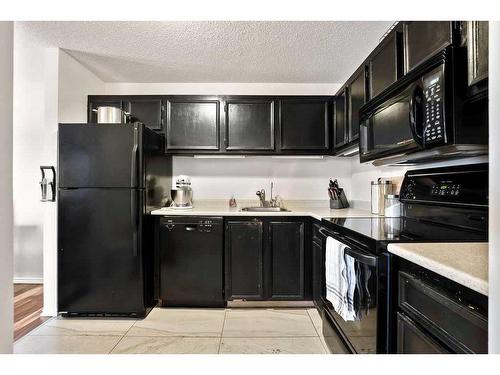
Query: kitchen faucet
pixel 262 197
pixel 273 202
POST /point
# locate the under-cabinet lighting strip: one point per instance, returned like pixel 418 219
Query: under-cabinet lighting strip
pixel 219 156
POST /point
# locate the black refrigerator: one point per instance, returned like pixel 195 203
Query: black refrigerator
pixel 110 176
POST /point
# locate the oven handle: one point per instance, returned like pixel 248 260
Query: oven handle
pixel 416 98
pixel 361 256
pixel 369 260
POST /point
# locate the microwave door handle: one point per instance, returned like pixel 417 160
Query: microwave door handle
pixel 416 98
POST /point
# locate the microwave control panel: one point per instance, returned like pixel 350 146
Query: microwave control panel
pixel 433 107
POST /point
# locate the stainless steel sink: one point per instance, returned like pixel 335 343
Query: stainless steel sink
pixel 264 209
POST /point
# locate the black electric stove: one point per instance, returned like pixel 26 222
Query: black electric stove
pixel 447 204
pixel 438 205
pixel 377 232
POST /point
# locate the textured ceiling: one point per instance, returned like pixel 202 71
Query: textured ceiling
pixel 217 51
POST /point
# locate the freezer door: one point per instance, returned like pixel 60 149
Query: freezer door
pixel 100 260
pixel 100 156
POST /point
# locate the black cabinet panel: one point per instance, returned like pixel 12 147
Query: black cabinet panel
pixel 244 260
pixel 357 98
pixel 385 64
pixel 412 340
pixel 192 124
pixel 423 39
pixel 340 135
pixel 146 110
pixel 249 124
pixel 457 325
pixel 287 247
pixel 304 124
pixel 477 50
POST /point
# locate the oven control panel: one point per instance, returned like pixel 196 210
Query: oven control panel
pixel 447 188
pixel 433 107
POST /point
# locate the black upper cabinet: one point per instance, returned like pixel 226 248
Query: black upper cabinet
pixel 340 134
pixel 249 124
pixel 287 247
pixel 357 98
pixel 305 124
pixel 476 41
pixel 423 39
pixel 290 125
pixel 244 260
pixel 192 124
pixel 146 110
pixel 385 63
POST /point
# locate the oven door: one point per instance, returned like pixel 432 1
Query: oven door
pixel 359 335
pixel 395 126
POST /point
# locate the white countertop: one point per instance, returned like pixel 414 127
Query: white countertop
pixel 217 207
pixel 464 263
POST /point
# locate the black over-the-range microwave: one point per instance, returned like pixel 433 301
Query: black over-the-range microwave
pixel 426 115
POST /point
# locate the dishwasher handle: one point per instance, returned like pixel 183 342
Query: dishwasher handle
pixel 190 228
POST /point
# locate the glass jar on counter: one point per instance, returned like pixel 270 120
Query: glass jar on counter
pixel 392 206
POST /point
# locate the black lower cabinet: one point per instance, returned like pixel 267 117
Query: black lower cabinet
pixel 244 270
pixel 437 315
pixel 266 259
pixel 412 339
pixel 287 254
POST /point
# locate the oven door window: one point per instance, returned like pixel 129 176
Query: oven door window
pixel 362 332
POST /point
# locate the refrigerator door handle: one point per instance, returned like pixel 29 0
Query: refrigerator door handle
pixel 133 164
pixel 134 221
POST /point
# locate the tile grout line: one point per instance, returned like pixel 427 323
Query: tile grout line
pixel 121 338
pixel 222 331
pixel 321 339
pixel 312 322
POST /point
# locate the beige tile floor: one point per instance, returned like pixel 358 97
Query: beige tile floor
pixel 182 331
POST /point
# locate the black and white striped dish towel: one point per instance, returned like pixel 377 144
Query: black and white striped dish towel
pixel 340 279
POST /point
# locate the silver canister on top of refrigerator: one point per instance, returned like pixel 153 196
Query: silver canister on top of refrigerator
pixel 111 115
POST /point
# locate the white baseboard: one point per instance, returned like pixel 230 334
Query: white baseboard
pixel 28 280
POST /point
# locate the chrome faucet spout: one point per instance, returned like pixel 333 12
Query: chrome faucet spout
pixel 262 197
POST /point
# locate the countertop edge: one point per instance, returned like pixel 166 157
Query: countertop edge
pixel 459 276
pixel 160 212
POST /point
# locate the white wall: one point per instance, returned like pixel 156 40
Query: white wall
pixel 49 87
pixel 35 116
pixel 75 84
pixel 494 190
pixel 303 179
pixel 6 206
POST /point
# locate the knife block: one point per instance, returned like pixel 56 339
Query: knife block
pixel 340 202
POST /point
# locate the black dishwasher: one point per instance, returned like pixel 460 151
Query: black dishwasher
pixel 191 271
